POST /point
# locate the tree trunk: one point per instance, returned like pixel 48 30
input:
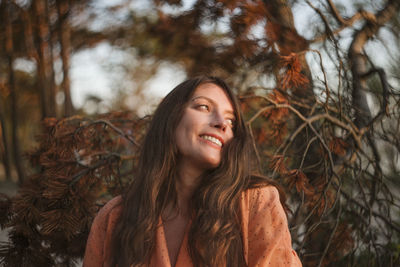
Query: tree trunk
pixel 359 64
pixel 13 94
pixel 360 88
pixel 289 41
pixel 64 32
pixel 28 33
pixel 5 150
pixel 44 63
pixel 50 61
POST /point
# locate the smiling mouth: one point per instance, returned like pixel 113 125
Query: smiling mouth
pixel 212 139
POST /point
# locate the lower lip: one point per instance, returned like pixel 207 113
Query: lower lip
pixel 210 143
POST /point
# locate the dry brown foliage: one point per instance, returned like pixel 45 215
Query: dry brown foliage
pixel 81 163
pixel 335 153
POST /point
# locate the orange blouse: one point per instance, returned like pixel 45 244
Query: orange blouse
pixel 265 234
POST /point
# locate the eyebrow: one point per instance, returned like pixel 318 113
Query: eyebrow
pixel 213 102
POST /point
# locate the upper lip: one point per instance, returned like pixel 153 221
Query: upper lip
pixel 215 136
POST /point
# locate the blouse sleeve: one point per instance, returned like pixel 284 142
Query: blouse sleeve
pixel 99 240
pixel 269 241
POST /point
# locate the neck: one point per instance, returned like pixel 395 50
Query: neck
pixel 186 184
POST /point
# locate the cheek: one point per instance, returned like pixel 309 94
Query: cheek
pixel 184 128
pixel 184 134
pixel 229 135
pixel 179 138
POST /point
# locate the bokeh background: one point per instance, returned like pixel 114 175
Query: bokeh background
pixel 318 80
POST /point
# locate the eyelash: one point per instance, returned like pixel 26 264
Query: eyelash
pixel 231 122
pixel 203 105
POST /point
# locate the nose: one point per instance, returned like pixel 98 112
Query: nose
pixel 219 122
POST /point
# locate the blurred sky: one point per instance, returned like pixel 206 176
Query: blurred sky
pixel 91 73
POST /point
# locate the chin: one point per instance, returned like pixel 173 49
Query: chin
pixel 213 163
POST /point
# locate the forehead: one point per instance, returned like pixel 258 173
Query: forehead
pixel 214 93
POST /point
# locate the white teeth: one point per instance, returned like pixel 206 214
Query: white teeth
pixel 212 139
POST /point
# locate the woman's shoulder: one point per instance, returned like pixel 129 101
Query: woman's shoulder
pixel 99 240
pixel 262 193
pixel 112 204
pixel 260 185
pixel 112 208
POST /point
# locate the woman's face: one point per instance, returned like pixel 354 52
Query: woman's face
pixel 206 127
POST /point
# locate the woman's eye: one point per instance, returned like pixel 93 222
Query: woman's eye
pixel 203 107
pixel 231 122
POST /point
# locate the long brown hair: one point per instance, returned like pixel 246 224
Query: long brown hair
pixel 215 234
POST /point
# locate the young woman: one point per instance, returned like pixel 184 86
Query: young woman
pixel 193 200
